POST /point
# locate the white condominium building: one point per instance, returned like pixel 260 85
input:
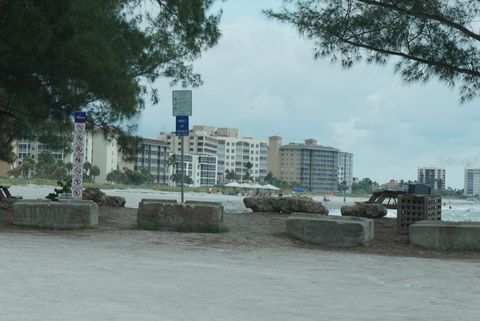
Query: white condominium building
pixel 202 169
pixel 472 182
pixel 433 176
pixel 234 155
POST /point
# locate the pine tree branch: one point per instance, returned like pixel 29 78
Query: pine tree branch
pixel 424 15
pixel 439 64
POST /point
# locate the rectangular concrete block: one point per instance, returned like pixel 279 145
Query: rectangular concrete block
pixel 55 215
pixel 446 235
pixel 180 217
pixel 156 200
pixel 340 231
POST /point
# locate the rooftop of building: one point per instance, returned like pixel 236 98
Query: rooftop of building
pixel 432 167
pixel 309 146
pixel 152 141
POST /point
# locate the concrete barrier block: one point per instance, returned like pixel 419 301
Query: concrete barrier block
pixel 55 215
pixel 340 231
pixel 180 217
pixel 156 200
pixel 441 235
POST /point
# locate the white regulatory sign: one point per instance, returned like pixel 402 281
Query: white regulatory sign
pixel 78 155
pixel 182 103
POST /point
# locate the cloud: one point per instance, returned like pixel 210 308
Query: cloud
pixel 262 79
pixel 347 132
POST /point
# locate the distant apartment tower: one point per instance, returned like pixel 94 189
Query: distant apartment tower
pixel 315 167
pixel 202 169
pixel 154 157
pixel 234 153
pixel 472 182
pixel 274 143
pixel 104 153
pixel 433 176
pixel 345 169
pixel 28 147
pixel 200 141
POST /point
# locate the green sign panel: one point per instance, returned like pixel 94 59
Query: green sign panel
pixel 182 103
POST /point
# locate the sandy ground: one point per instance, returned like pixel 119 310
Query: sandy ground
pixel 252 272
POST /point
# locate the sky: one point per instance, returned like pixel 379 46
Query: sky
pixel 262 78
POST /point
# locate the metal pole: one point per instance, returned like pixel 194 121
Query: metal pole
pixel 183 169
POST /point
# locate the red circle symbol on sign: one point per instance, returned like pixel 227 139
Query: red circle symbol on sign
pixel 80 126
pixel 79 138
pixel 78 160
pixel 78 149
pixel 76 192
pixel 77 181
pixel 77 170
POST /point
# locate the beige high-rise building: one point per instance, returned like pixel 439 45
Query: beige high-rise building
pixel 200 141
pixel 227 132
pixel 274 143
pixel 312 166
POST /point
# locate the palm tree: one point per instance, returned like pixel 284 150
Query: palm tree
pixel 69 167
pixel 27 166
pixel 95 171
pixel 87 167
pixel 172 162
pixel 248 167
pixel 230 175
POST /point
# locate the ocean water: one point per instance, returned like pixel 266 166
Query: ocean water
pixel 461 213
pixel 457 213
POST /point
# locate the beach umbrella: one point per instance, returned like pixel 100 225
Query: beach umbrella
pixel 272 187
pixel 232 184
pixel 245 185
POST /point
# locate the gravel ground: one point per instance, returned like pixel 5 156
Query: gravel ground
pixel 243 231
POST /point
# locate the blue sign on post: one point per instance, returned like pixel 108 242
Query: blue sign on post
pixel 181 127
pixel 80 117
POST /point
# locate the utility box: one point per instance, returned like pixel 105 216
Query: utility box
pixel 412 208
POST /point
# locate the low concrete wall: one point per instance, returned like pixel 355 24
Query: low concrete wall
pixel 446 235
pixel 55 215
pixel 340 231
pixel 180 217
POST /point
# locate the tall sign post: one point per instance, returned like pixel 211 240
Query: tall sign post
pixel 78 154
pixel 181 109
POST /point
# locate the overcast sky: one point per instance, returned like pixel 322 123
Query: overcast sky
pixel 262 79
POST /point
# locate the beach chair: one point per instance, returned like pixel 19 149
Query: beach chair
pixel 5 193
